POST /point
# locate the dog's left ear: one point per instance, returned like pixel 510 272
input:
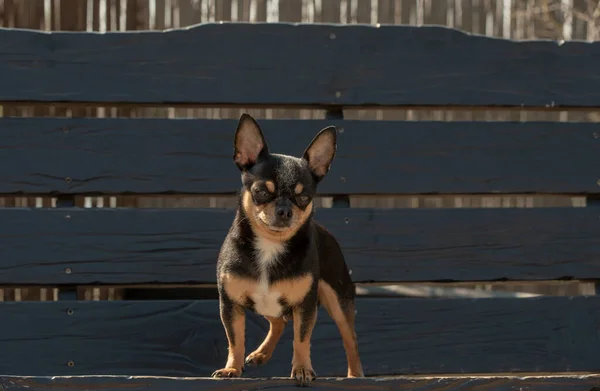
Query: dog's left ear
pixel 320 152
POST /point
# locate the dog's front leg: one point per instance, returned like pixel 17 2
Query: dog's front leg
pixel 264 352
pixel 305 317
pixel 234 321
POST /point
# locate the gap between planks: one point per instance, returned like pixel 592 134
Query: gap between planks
pixel 457 290
pixel 8 104
pixel 443 114
pixel 229 201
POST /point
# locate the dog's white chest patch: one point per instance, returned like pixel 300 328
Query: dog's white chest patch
pixel 266 300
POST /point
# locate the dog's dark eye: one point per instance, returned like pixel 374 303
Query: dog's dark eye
pixel 261 193
pixel 303 198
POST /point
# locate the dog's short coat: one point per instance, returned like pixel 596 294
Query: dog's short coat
pixel 277 261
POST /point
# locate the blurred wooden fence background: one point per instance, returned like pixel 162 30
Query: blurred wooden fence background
pixel 516 19
pixel 513 19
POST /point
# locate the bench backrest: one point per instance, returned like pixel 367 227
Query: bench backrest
pixel 333 68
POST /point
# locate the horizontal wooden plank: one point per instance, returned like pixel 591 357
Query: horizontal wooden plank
pixel 116 246
pixel 357 65
pixel 463 383
pixel 195 156
pixel 396 336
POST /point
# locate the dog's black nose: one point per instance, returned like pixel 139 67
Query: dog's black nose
pixel 284 212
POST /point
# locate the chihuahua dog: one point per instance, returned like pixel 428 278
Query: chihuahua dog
pixel 277 261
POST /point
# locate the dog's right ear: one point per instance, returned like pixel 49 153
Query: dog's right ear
pixel 249 143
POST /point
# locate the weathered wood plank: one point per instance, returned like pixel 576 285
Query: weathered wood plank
pixel 195 156
pixel 397 336
pixel 237 64
pixel 450 383
pixel 179 246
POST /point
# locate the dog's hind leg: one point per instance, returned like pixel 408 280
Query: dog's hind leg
pixel 264 352
pixel 343 316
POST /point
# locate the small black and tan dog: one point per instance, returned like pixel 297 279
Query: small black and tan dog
pixel 277 261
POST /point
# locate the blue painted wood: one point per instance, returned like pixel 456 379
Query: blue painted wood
pixel 308 65
pixel 396 336
pixel 446 383
pixel 373 157
pixel 180 246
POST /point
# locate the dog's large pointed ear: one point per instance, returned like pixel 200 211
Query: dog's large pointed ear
pixel 320 152
pixel 249 143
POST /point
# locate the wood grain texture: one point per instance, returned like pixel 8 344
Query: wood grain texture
pixel 195 156
pixel 562 383
pixel 282 64
pixel 396 336
pixel 180 246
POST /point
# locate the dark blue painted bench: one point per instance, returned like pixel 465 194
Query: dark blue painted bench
pixel 498 343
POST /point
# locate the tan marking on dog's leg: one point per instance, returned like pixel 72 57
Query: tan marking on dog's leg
pixel 302 369
pixel 265 351
pixel 345 323
pixel 237 288
pixel 235 356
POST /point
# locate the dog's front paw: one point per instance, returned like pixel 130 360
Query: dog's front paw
pixel 257 358
pixel 227 372
pixel 303 375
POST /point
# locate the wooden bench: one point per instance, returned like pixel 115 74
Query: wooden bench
pixel 497 343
